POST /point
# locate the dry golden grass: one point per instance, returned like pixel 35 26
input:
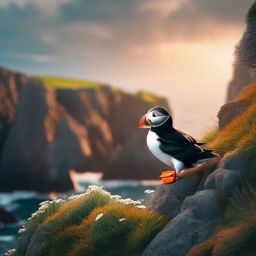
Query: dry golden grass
pixel 210 135
pixel 248 93
pixel 241 132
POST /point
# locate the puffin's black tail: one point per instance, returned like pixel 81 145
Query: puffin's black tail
pixel 208 153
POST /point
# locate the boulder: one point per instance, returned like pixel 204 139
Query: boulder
pixel 224 181
pixel 199 216
pixel 174 240
pixel 230 111
pixel 204 205
pixel 234 161
pixel 168 198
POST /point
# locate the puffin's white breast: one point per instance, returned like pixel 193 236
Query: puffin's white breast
pixel 154 146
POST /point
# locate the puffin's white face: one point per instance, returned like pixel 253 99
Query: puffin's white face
pixel 155 117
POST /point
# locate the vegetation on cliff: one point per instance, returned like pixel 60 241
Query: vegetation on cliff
pixel 93 223
pixel 236 234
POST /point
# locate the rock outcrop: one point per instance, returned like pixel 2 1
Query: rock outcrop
pixel 197 206
pixel 241 78
pixel 197 220
pixel 7 217
pixel 46 132
pixel 230 111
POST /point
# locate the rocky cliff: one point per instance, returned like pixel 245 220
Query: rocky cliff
pixel 45 131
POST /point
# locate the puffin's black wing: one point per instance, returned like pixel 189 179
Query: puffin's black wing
pixel 183 147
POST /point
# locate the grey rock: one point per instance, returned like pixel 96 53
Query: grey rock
pixel 181 234
pixel 168 198
pixel 224 180
pixel 230 111
pixel 234 162
pixel 204 205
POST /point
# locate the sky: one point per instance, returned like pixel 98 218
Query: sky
pixel 180 49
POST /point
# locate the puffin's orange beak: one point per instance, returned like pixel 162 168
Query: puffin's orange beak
pixel 143 123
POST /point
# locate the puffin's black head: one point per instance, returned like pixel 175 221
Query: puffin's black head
pixel 155 117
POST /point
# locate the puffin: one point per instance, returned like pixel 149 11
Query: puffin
pixel 172 147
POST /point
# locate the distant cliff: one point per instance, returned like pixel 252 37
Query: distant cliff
pixel 47 129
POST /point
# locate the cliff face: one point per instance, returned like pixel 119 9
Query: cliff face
pixel 46 132
pixel 11 85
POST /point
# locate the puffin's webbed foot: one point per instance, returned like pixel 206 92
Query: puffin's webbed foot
pixel 168 177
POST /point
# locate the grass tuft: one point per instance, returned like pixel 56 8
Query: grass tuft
pixel 97 223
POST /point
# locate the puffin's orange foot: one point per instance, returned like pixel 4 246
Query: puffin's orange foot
pixel 168 177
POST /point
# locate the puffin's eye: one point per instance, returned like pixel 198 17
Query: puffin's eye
pixel 153 114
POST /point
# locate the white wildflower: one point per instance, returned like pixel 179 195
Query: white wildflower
pixel 141 206
pixel 99 216
pixel 21 230
pixel 11 251
pixel 115 197
pixel 129 201
pixel 44 202
pixel 122 219
pixel 149 191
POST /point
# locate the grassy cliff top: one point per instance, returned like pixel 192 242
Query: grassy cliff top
pixel 56 82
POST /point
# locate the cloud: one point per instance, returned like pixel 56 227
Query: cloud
pixel 147 20
pixel 82 28
pixel 48 7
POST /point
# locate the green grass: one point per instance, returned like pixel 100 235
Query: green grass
pixel 72 228
pixel 54 82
